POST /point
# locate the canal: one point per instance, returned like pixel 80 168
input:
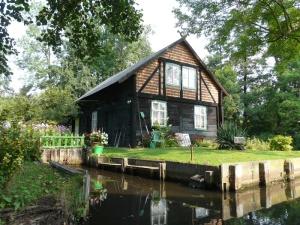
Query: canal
pixel 117 198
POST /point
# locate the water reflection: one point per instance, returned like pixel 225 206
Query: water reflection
pixel 123 199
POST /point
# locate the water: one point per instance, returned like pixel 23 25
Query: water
pixel 117 198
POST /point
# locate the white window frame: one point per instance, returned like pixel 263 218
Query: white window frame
pixel 189 77
pixel 171 77
pixel 200 117
pixel 94 121
pixel 159 112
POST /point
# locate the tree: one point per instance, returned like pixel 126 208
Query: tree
pixel 263 22
pixel 78 16
pixel 47 69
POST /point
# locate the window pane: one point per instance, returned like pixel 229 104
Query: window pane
pixel 155 106
pixel 192 78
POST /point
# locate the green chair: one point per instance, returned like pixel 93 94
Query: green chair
pixel 156 137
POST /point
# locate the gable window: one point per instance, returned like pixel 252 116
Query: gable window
pixel 159 113
pixel 94 120
pixel 200 117
pixel 188 77
pixel 172 74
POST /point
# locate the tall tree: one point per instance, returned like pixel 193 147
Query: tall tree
pixel 120 15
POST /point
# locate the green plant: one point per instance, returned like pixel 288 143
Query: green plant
pixel 256 144
pixel 281 143
pixel 206 143
pixel 197 141
pixel 146 141
pixel 163 129
pixel 226 133
pixel 171 141
pixel 296 141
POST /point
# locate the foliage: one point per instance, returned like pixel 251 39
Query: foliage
pixel 197 141
pixel 67 19
pixel 146 141
pixel 253 24
pixel 226 133
pixel 257 144
pixel 171 141
pixel 281 143
pixel 296 141
pixel 34 182
pixel 17 142
pixel 163 129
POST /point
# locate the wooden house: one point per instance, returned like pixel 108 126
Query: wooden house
pixel 172 86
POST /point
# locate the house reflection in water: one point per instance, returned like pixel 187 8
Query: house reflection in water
pixel 128 200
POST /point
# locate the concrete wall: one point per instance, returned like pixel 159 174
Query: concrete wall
pixel 184 171
pixel 64 156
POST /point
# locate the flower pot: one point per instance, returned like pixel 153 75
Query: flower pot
pixel 98 149
pixel 98 185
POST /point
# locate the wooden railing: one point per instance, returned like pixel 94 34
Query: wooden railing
pixel 62 141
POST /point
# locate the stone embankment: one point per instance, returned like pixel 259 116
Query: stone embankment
pixel 228 176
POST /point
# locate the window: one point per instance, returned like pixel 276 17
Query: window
pixel 172 74
pixel 94 121
pixel 188 77
pixel 200 117
pixel 159 113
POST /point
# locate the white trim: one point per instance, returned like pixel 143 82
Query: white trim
pixel 200 117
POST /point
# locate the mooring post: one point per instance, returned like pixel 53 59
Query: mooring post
pixel 162 171
pixel 124 164
pixel 191 152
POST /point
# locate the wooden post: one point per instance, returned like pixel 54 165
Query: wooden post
pixel 124 164
pixel 162 171
pixel 191 152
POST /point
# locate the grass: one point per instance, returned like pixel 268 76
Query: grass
pixel 35 182
pixel 207 156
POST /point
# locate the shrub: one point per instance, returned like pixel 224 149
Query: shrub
pixel 146 141
pixel 197 141
pixel 256 144
pixel 206 143
pixel 226 133
pixel 171 141
pixel 281 143
pixel 296 141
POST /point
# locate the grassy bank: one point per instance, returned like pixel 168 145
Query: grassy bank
pixel 39 187
pixel 201 155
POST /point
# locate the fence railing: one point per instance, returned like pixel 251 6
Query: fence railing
pixel 62 141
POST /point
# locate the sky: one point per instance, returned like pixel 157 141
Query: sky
pixel 157 13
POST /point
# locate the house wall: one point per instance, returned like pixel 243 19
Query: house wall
pixel 181 116
pixel 114 107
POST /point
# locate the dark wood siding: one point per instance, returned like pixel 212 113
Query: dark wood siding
pixel 114 107
pixel 181 116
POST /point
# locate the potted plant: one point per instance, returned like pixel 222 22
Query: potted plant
pixel 98 140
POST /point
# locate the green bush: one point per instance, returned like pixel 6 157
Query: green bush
pixel 197 141
pixel 146 141
pixel 296 141
pixel 171 141
pixel 256 144
pixel 226 133
pixel 281 143
pixel 206 143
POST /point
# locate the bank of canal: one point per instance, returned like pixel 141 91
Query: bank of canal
pixel 118 198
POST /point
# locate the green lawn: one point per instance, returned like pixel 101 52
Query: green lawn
pixel 201 155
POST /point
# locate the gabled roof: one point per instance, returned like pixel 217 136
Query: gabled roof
pixel 123 75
